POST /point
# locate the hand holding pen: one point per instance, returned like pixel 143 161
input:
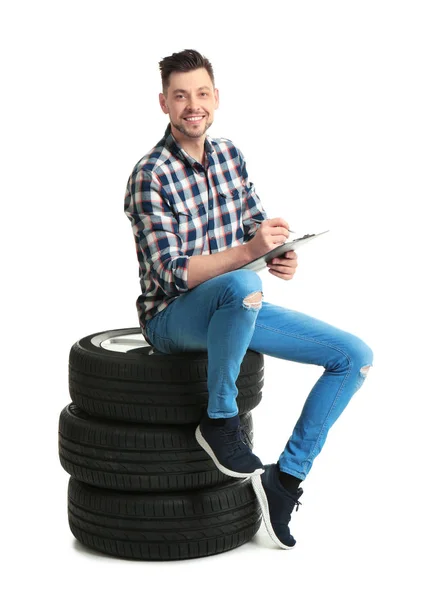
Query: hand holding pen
pixel 262 220
pixel 272 234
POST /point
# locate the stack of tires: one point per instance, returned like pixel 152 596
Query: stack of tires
pixel 141 487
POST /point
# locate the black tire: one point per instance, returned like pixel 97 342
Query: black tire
pixel 143 385
pixel 136 457
pixel 166 526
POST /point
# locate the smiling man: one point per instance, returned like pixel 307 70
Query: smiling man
pixel 195 216
pixel 190 100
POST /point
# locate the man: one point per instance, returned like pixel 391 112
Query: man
pixel 194 215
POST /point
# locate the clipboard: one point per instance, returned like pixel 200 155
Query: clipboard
pixel 261 263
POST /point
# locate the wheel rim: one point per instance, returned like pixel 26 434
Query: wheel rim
pixel 118 341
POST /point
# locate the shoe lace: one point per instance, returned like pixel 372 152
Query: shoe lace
pixel 296 500
pixel 237 437
pixel 244 431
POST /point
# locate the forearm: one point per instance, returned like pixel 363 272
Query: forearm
pixel 204 267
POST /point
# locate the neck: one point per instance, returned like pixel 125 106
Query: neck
pixel 193 146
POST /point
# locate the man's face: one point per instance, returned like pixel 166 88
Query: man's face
pixel 190 102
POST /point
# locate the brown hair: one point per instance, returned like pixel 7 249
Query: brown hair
pixel 183 62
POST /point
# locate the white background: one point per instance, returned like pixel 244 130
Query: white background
pixel 325 99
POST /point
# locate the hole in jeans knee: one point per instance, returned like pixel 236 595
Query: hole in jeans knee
pixel 253 301
pixel 364 370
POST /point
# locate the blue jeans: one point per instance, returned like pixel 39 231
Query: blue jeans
pixel 216 317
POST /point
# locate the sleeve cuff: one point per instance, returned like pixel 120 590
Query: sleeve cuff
pixel 180 271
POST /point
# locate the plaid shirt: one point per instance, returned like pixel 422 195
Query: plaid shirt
pixel 179 209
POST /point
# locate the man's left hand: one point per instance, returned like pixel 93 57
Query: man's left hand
pixel 285 266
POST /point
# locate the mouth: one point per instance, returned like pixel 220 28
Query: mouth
pixel 195 119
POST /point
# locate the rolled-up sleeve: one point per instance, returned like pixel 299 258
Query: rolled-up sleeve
pixel 252 206
pixel 155 231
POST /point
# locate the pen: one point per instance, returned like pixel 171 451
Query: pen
pixel 262 220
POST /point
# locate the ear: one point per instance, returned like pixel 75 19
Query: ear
pixel 163 104
pixel 216 93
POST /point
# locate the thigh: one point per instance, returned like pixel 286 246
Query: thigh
pixel 183 325
pixel 178 327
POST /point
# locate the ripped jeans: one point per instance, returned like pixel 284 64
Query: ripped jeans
pixel 218 317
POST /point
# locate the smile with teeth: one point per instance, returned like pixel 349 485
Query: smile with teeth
pixel 193 119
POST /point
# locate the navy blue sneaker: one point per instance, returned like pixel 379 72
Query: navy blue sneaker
pixel 276 504
pixel 226 442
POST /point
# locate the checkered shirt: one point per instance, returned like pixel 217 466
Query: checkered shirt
pixel 179 209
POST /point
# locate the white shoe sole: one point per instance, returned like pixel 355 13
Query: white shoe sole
pixel 204 444
pixel 263 503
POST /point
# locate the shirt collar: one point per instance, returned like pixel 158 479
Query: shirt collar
pixel 174 147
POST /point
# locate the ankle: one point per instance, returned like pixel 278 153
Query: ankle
pixel 222 421
pixel 289 482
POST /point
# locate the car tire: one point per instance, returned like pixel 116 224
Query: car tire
pixel 136 456
pixel 163 526
pixel 117 375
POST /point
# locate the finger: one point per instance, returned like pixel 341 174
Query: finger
pixel 288 262
pixel 285 276
pixel 288 258
pixel 283 269
pixel 278 221
pixel 279 232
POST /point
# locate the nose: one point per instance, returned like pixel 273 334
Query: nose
pixel 193 104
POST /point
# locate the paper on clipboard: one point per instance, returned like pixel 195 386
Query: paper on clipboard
pixel 261 263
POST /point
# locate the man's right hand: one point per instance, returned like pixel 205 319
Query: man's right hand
pixel 271 233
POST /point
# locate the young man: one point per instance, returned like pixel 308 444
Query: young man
pixel 193 213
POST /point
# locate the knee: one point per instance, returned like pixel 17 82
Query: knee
pixel 253 301
pixel 243 283
pixel 361 356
